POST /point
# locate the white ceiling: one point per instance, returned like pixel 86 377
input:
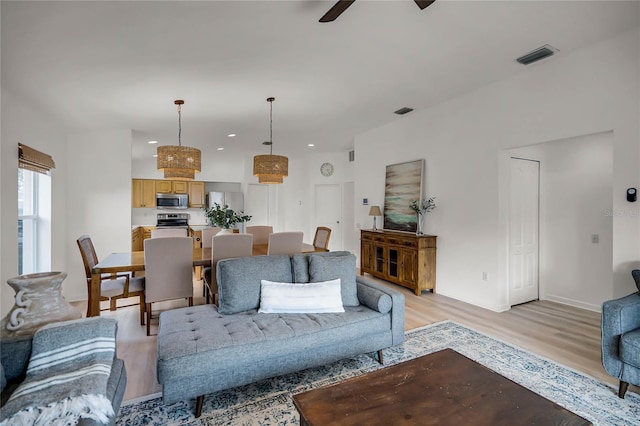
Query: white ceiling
pixel 94 65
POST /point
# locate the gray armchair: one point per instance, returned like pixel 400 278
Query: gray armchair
pixel 621 338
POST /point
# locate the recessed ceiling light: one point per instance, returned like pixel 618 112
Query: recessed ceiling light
pixel 311 144
pixel 231 135
pixel 153 141
pixel 220 149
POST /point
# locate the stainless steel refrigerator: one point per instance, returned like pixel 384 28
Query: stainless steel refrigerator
pixel 235 201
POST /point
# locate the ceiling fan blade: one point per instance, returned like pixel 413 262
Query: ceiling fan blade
pixel 423 4
pixel 336 10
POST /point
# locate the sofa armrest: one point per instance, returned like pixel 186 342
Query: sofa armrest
pixel 14 356
pixel 369 292
pixel 619 316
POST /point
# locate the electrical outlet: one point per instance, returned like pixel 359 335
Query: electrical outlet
pixel 595 238
pixel 485 276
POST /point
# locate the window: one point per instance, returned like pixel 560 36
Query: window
pixel 27 221
pixel 34 211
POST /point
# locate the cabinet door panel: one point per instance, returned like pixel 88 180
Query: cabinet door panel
pixel 408 267
pixel 149 193
pixel 180 187
pixel 163 186
pixel 196 194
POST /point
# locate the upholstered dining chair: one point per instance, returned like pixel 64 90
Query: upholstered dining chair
pixel 168 266
pixel 321 239
pixel 260 234
pixel 208 234
pixel 168 232
pixel 285 243
pixel 112 286
pixel 225 246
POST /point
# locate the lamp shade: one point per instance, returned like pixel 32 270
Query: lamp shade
pixel 375 211
pixel 178 162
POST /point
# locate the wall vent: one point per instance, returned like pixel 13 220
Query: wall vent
pixel 536 55
pixel 352 155
pixel 403 110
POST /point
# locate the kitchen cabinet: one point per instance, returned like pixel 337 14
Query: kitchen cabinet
pixel 164 187
pixel 197 238
pixel 136 239
pixel 172 187
pixel 196 194
pixel 401 258
pixel 143 193
pixel 180 187
pixel 138 235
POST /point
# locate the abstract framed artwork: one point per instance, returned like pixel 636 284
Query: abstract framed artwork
pixel 403 183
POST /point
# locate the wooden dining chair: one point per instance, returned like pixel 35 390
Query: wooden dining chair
pixel 168 232
pixel 321 239
pixel 168 265
pixel 260 234
pixel 112 286
pixel 285 243
pixel 225 246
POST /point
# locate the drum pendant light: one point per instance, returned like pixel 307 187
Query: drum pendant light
pixel 179 162
pixel 270 168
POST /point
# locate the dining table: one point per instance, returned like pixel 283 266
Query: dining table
pixel 134 262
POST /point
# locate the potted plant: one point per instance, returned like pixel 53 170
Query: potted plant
pixel 223 216
pixel 425 206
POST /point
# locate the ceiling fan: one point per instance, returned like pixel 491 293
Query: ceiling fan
pixel 342 5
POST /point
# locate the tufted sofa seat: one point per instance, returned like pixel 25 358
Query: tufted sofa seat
pixel 202 350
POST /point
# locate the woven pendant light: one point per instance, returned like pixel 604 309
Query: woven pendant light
pixel 270 168
pixel 179 162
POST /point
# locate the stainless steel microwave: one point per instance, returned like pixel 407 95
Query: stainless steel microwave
pixel 172 201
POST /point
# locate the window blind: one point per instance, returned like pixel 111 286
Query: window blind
pixel 34 160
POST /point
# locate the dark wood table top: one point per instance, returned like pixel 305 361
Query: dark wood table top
pixel 443 388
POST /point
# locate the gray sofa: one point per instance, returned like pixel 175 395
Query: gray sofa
pixel 204 349
pixel 16 352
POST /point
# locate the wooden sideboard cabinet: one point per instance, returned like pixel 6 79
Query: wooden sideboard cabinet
pixel 399 257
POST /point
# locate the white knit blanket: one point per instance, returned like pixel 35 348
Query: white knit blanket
pixel 67 375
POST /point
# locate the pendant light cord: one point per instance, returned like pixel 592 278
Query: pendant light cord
pixel 179 125
pixel 271 126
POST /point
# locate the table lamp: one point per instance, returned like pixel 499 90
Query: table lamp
pixel 375 211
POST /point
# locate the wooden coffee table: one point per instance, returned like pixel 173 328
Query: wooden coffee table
pixel 443 388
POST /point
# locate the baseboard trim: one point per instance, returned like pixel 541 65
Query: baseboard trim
pixel 572 302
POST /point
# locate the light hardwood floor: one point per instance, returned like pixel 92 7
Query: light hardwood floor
pixel 567 335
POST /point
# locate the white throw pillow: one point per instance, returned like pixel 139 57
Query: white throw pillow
pixel 320 297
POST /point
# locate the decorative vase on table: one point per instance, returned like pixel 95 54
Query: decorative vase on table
pixel 38 301
pixel 420 224
pixel 421 209
pixel 225 231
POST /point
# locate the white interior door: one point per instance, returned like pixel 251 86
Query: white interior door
pixel 257 204
pixel 524 196
pixel 328 211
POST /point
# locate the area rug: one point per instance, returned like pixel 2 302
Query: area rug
pixel 269 402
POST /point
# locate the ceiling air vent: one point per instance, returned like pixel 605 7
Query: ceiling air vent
pixel 403 111
pixel 540 53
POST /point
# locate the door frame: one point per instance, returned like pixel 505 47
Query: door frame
pixel 314 217
pixel 504 182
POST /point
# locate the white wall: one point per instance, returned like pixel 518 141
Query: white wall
pixel 589 91
pixel 23 123
pixel 293 200
pixel 99 204
pixel 218 171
